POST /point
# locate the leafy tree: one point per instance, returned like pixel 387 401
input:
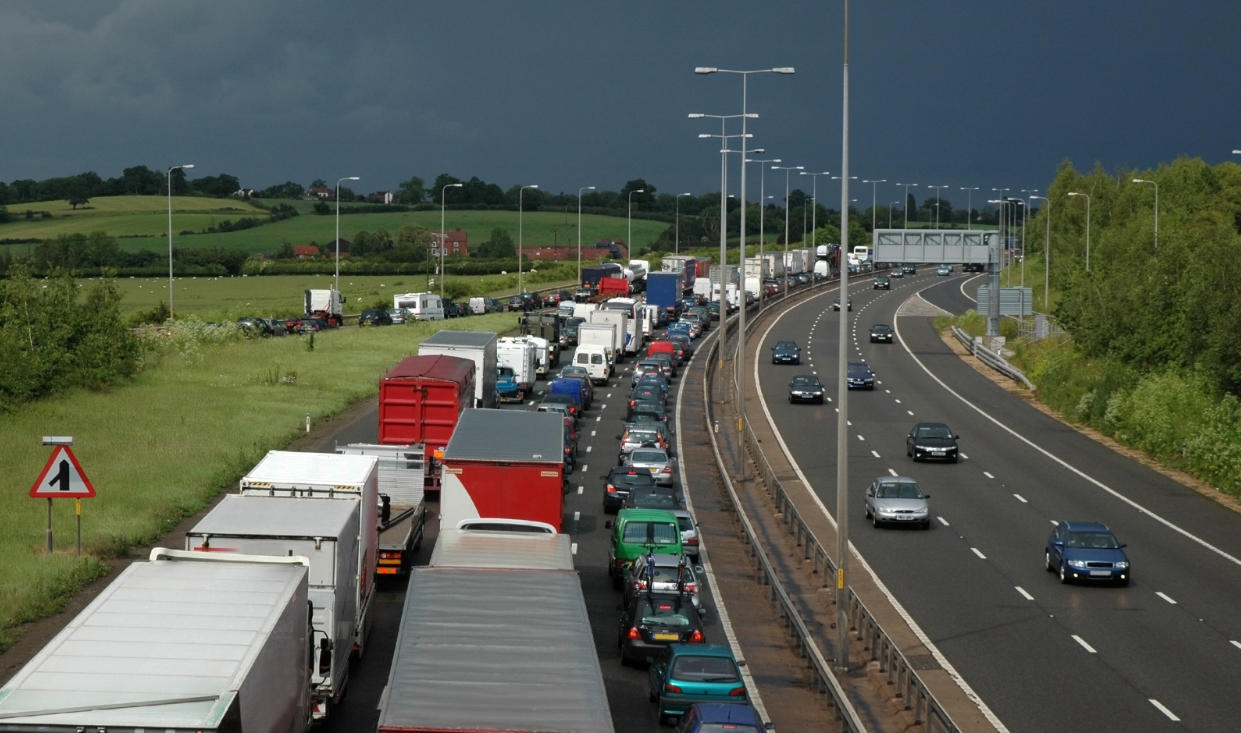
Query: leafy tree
pixel 413 191
pixel 499 246
pixel 286 190
pixel 141 181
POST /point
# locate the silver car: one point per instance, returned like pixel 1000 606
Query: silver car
pixel 669 572
pixel 654 460
pixel 897 500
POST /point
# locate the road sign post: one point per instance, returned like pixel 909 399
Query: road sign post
pixel 62 477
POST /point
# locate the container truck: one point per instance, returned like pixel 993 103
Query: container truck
pixel 326 304
pixel 664 290
pixel 635 336
pixel 478 346
pixel 592 274
pixel 685 266
pixel 612 287
pixel 184 641
pixel 330 477
pixel 603 334
pixel 504 464
pixel 421 398
pixel 325 532
pixel 756 270
pixel 623 337
pixel 519 355
pixel 528 662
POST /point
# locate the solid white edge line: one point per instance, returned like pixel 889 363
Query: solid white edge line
pixel 1163 709
pixel 1085 646
pixel 704 559
pixel 904 614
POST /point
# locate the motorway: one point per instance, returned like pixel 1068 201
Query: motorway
pixel 1162 653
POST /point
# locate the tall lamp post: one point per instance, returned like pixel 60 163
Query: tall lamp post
pixel 629 217
pixel 814 213
pixel 891 205
pixel 969 205
pixel 905 205
pixel 786 169
pixel 579 231
pixel 1087 197
pixel 676 248
pixel 938 190
pixel 1022 269
pixel 444 234
pixel 872 182
pixel 336 277
pixel 1046 253
pixel 740 365
pixel 520 192
pixel 183 166
pixel 1156 185
pixel 762 209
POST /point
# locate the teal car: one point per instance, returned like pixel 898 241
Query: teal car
pixel 693 673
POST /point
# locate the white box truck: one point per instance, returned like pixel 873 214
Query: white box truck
pixel 480 346
pixel 599 334
pixel 521 355
pixel 330 477
pixel 622 336
pixel 184 641
pixel 325 532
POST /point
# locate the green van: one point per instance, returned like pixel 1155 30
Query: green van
pixel 637 531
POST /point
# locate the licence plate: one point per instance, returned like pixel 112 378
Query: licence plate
pixel 664 637
pixel 1101 572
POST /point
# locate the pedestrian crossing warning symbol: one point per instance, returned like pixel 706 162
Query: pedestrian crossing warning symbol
pixel 62 477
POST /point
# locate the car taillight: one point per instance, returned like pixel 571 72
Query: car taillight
pixel 568 449
pixel 611 489
pixel 669 687
pixel 696 637
pixel 692 541
pixel 634 634
pixel 691 587
pixel 737 691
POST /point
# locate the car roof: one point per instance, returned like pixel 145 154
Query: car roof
pixel 646 515
pixel 700 650
pixel 1079 526
pixel 722 712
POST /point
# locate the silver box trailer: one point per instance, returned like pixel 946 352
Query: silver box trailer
pixel 330 477
pixel 185 641
pixel 327 533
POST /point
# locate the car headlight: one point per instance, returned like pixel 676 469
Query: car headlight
pixel 1122 565
pixel 1079 564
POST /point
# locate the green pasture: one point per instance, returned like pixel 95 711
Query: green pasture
pixel 161 447
pixel 141 223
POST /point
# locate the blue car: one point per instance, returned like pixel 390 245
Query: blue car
pixel 1086 551
pixel 706 717
pixel 695 673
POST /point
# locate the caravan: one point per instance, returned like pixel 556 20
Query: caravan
pixel 420 306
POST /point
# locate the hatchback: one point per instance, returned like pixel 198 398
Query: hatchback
pixel 619 483
pixel 693 673
pixel 671 574
pixel 928 441
pixel 397 315
pixel 944 270
pixel 881 333
pixel 647 435
pixel 652 621
pixel 806 388
pixel 859 376
pixel 786 352
pixel 654 460
pixel 714 717
pixel 836 304
pixel 1086 551
pixel 375 317
pixel 882 282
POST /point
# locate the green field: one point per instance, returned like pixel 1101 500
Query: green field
pixel 141 223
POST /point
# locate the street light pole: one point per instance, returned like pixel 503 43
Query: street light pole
pixel 336 277
pixel 969 206
pixel 740 365
pixel 677 246
pixel 1087 197
pixel 1046 254
pixel 579 231
pixel 1156 185
pixel 184 166
pixel 872 183
pixel 762 213
pixel 444 234
pixel 905 204
pixel 629 218
pixel 814 213
pixel 890 207
pixel 786 169
pixel 521 290
pixel 938 199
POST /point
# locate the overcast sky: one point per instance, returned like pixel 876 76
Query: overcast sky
pixel 577 92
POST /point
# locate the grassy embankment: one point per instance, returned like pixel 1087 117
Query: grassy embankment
pixel 160 448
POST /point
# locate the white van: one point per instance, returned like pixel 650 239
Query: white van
pixel 420 306
pixel 595 358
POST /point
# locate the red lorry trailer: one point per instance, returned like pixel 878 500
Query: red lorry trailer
pixel 504 464
pixel 421 398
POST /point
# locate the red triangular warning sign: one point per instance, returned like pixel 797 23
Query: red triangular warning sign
pixel 62 477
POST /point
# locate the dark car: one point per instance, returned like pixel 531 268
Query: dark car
pixel 881 333
pixel 652 621
pixel 571 405
pixel 806 388
pixel 896 272
pixel 375 317
pixel 716 717
pixel 931 441
pixel 525 302
pixel 859 376
pixel 786 352
pixel 647 411
pixel 974 267
pixel 311 324
pixel 252 326
pixel 882 282
pixel 619 482
pixel 836 304
pixel 909 269
pixel 1086 551
pixel 648 393
pixel 663 574
pixel 713 310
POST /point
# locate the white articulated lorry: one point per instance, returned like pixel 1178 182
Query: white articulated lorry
pixel 184 642
pixel 331 477
pixel 521 355
pixel 327 533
